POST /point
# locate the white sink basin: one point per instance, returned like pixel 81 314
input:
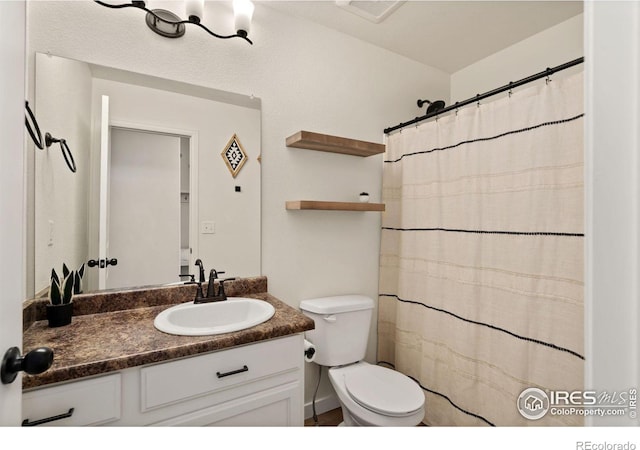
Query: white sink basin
pixel 202 319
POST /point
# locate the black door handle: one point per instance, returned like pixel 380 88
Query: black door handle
pixel 33 363
pixel 102 263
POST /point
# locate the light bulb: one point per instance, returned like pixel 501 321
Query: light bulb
pixel 194 8
pixel 243 12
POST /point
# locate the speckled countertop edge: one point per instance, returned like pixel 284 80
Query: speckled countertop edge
pixel 100 342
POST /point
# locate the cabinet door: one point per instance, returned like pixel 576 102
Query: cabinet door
pixel 89 402
pixel 275 407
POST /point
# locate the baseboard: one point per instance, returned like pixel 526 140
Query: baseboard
pixel 323 405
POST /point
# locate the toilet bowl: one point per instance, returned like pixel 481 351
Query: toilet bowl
pixel 369 395
pixel 376 396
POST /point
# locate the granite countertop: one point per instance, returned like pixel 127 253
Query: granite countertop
pixel 114 330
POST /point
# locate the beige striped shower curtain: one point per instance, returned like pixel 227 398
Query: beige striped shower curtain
pixel 481 260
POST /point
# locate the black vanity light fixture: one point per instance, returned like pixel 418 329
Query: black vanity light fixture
pixel 168 24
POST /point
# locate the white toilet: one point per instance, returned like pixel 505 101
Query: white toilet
pixel 370 395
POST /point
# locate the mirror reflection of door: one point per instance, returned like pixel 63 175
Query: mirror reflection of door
pixel 145 208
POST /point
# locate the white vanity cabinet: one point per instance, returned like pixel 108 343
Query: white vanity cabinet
pixel 257 384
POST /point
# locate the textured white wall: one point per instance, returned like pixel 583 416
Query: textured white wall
pixel 308 77
pixel 63 108
pixel 551 47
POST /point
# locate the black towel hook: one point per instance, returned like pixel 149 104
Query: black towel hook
pixel 68 157
pixel 36 140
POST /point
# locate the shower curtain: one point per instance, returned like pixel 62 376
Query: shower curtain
pixel 481 260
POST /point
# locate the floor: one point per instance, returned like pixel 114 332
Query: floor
pixel 332 419
pixel 329 419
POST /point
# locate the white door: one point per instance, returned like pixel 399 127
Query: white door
pixel 144 208
pixel 12 282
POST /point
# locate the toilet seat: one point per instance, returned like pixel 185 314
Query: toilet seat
pixel 384 391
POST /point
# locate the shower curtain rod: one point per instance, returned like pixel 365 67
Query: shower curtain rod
pixel 477 98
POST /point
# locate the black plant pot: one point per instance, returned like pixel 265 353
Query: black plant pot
pixel 59 315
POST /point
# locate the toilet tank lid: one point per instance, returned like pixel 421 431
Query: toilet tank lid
pixel 337 304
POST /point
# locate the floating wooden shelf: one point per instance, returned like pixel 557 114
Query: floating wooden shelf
pixel 334 206
pixel 333 144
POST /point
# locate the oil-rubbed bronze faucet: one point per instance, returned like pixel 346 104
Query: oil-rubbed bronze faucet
pixel 211 295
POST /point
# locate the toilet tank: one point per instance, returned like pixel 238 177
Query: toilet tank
pixel 341 327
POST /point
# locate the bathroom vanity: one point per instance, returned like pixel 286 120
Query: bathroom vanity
pixel 113 367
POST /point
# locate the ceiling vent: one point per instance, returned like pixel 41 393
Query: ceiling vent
pixel 374 11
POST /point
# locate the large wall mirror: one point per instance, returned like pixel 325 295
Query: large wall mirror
pixel 152 189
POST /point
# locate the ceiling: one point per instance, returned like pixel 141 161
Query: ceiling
pixel 448 35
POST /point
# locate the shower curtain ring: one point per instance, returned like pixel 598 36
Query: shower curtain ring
pixel 478 103
pixel 549 72
pixel 510 89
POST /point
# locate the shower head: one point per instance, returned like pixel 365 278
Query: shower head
pixel 433 106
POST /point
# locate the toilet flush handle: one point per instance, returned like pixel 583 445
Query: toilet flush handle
pixel 330 318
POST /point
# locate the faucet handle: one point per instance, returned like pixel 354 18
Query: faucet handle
pixel 221 292
pixel 213 275
pixel 191 281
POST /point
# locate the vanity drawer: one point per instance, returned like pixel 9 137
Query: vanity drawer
pixel 171 382
pixel 94 402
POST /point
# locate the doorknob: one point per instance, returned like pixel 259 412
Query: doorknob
pixel 102 263
pixel 33 363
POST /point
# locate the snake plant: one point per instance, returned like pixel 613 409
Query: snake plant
pixel 61 290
